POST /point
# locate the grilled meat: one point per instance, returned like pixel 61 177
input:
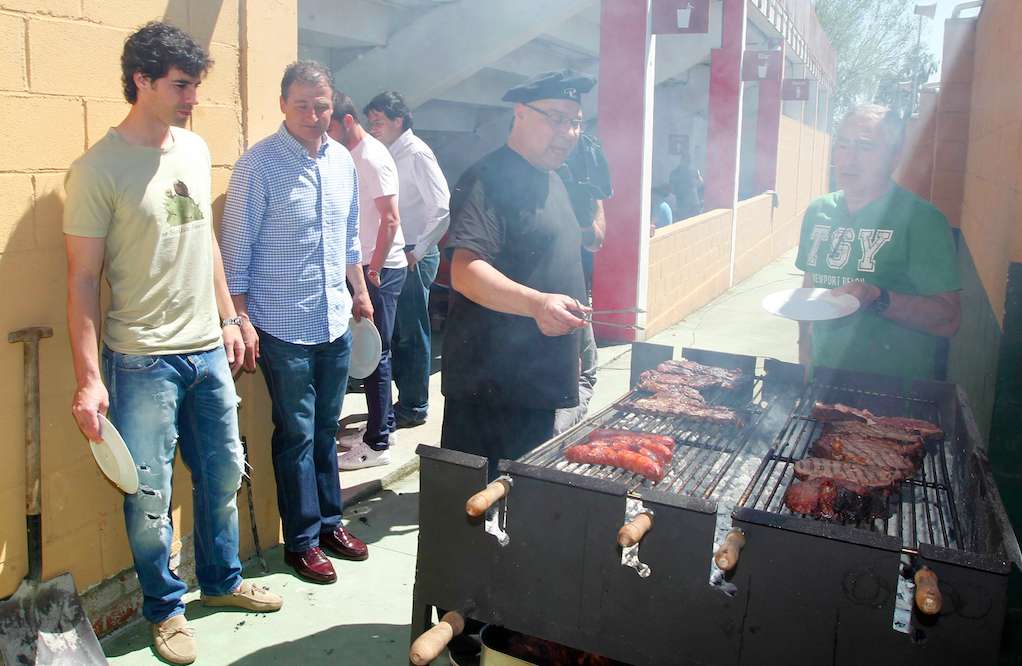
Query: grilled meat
pixel 707 375
pixel 647 446
pixel 862 451
pixel 610 433
pixel 910 442
pixel 833 499
pixel 659 382
pixel 925 429
pixel 633 461
pixel 861 479
pixel 838 412
pixel 667 404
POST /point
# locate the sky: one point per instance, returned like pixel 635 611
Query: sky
pixel 933 30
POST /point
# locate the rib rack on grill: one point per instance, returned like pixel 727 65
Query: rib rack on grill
pixel 860 477
pixel 659 382
pixel 706 375
pixel 668 404
pixel 838 412
pixel 863 451
pixel 909 443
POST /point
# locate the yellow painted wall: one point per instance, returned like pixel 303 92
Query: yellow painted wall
pixel 992 211
pixel 59 92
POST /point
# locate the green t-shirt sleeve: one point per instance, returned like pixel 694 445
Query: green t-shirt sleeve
pixel 88 210
pixel 932 257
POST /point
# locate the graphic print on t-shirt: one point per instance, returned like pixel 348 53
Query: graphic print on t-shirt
pixel 180 206
pixel 841 243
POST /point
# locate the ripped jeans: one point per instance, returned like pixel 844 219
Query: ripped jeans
pixel 156 403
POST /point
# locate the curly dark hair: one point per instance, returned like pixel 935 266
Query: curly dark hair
pixel 156 47
pixel 392 105
pixel 308 72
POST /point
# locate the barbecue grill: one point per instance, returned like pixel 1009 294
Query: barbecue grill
pixel 564 552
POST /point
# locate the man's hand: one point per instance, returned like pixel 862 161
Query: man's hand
pixel 865 292
pixel 410 256
pixel 89 401
pixel 234 346
pixel 361 307
pixel 250 337
pixel 555 314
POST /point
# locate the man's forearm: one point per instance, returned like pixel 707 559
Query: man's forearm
pixel 384 241
pixel 937 315
pixel 83 318
pixel 481 283
pixel 224 303
pixel 357 279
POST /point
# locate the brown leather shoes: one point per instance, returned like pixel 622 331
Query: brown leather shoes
pixel 312 565
pixel 343 544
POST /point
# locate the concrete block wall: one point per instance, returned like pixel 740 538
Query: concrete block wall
pixel 59 92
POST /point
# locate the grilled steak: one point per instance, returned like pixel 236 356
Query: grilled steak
pixel 838 412
pixel 861 479
pixel 908 440
pixel 667 404
pixel 657 382
pixel 633 461
pixel 832 499
pixel 924 429
pixel 645 437
pixel 862 451
pixel 707 375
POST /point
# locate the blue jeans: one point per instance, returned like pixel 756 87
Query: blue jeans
pixel 411 346
pixel 306 385
pixel 377 385
pixel 160 403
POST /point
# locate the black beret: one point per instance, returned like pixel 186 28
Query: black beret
pixel 562 84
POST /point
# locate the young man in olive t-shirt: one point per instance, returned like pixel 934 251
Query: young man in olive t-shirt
pixel 887 247
pixel 138 209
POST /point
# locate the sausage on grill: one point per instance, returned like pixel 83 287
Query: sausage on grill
pixel 633 461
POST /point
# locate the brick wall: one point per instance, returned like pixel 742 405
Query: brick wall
pixel 59 92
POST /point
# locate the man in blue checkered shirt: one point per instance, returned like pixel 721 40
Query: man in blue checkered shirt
pixel 290 238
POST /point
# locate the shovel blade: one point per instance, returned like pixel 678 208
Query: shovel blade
pixel 44 624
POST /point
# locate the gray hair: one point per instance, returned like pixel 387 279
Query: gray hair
pixel 305 71
pixel 889 120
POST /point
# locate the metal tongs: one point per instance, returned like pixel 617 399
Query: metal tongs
pixel 588 316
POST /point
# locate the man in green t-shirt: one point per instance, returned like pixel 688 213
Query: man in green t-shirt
pixel 887 247
pixel 138 210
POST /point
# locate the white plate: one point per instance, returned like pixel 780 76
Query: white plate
pixel 366 347
pixel 807 304
pixel 113 458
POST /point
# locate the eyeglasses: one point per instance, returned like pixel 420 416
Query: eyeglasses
pixel 557 120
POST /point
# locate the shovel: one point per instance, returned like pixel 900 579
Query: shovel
pixel 43 622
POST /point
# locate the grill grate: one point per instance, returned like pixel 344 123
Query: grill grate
pixel 922 511
pixel 707 456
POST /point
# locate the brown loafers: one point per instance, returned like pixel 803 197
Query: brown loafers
pixel 312 565
pixel 343 544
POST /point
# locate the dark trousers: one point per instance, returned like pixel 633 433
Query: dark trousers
pixel 494 431
pixel 411 344
pixel 306 385
pixel 377 385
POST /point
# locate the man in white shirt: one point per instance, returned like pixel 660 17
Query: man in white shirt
pixel 425 215
pixel 385 268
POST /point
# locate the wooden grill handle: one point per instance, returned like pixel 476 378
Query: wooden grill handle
pixel 481 502
pixel 928 597
pixel 632 532
pixel 727 555
pixel 434 640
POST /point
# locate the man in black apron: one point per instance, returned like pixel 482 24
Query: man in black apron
pixel 511 343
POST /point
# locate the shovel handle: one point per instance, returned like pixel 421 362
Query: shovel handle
pixel 928 597
pixel 481 502
pixel 632 532
pixel 727 555
pixel 433 641
pixel 31 336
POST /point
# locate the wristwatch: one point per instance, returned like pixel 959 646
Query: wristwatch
pixel 882 302
pixel 231 321
pixel 372 272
